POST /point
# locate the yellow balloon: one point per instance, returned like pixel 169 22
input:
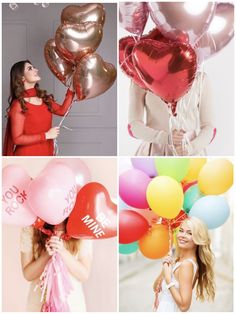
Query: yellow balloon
pixel 156 243
pixel 216 177
pixel 165 196
pixel 195 165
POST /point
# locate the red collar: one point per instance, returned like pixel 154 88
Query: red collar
pixel 31 92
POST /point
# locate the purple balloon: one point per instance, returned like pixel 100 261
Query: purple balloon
pixel 132 188
pixel 182 21
pixel 146 165
pixel 219 33
pixel 133 16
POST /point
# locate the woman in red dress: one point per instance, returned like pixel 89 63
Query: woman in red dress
pixel 29 129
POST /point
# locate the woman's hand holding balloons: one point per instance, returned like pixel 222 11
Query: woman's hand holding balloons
pixel 52 133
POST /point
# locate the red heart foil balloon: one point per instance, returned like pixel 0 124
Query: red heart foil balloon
pixel 126 46
pixel 93 76
pixel 76 14
pixel 94 215
pixel 61 68
pixel 74 41
pixel 168 69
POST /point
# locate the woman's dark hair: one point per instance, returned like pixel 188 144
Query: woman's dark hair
pixel 17 87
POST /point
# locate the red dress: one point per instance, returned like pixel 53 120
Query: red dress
pixel 27 130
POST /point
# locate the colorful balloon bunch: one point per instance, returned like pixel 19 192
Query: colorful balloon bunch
pixel 157 194
pixel 73 51
pixel 165 61
pixel 62 190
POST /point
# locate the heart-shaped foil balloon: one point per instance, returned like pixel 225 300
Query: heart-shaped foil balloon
pixel 76 14
pixel 94 215
pixel 61 68
pixel 93 76
pixel 73 41
pixel 168 69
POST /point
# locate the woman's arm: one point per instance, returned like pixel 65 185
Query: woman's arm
pixel 158 282
pixel 32 269
pixel 136 126
pixel 60 110
pixel 17 128
pixel 206 118
pixel 183 295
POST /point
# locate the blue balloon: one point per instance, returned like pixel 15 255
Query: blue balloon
pixel 211 209
pixel 128 248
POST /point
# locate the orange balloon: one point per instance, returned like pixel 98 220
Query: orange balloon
pixel 155 243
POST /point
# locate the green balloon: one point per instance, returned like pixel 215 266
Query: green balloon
pixel 177 168
pixel 191 196
pixel 128 248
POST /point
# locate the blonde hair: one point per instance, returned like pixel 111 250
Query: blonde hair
pixel 205 259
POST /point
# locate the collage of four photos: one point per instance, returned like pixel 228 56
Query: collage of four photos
pixel 118 151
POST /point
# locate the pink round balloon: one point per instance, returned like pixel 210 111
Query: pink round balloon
pixel 182 21
pixel 133 16
pixel 52 194
pixel 219 33
pixel 79 168
pixel 16 209
pixel 132 188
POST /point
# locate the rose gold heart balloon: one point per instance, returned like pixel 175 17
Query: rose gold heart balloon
pixel 73 41
pixel 61 68
pixel 75 14
pixel 93 76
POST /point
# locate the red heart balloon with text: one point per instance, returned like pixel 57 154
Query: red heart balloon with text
pixel 94 215
pixel 168 69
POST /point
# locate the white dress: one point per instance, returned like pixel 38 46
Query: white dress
pixel 166 301
pixel 76 298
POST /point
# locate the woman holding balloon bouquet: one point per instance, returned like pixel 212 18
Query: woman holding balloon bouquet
pixel 170 98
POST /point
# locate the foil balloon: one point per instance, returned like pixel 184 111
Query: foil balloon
pixel 94 215
pixel 182 21
pixel 219 33
pixel 133 16
pixel 93 76
pixel 168 69
pixel 76 14
pixel 74 41
pixel 61 68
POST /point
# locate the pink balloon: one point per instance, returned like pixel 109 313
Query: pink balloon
pixel 16 209
pixel 133 16
pixel 182 21
pixel 79 168
pixel 132 188
pixel 219 33
pixel 52 194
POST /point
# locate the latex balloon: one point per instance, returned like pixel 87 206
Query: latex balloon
pixel 94 215
pixel 53 193
pixel 148 214
pixel 216 177
pixel 15 205
pixel 191 196
pixel 195 165
pixel 219 33
pixel 79 168
pixel 146 165
pixel 61 68
pixel 165 196
pixel 186 186
pixel 133 16
pixel 74 41
pixel 167 69
pixel 77 14
pixel 132 188
pixel 128 248
pixel 183 21
pixel 132 226
pixel 175 168
pixel 156 242
pixel 211 209
pixel 126 46
pixel 93 77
